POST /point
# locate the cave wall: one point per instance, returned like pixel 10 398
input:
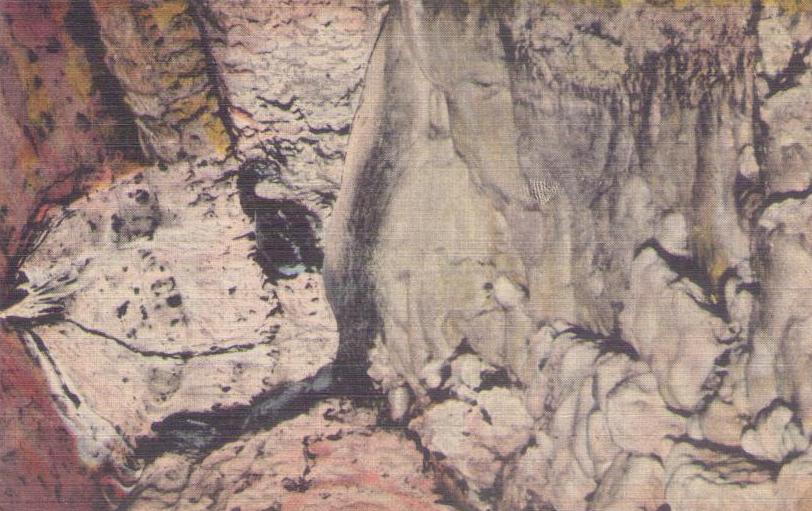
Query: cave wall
pixel 569 254
pixel 565 241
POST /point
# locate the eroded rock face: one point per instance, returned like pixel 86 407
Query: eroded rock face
pixel 291 74
pixel 160 52
pixel 60 134
pixel 639 217
pixel 331 458
pixel 151 332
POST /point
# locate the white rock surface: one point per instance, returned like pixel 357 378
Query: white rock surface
pixel 292 72
pixel 166 312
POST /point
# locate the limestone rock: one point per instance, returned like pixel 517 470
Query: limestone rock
pixel 134 300
pixel 780 347
pixel 794 484
pixel 785 81
pixel 291 74
pixel 774 436
pixel 701 479
pixel 160 54
pixel 638 418
pixel 565 241
pixel 474 439
pixel 671 330
pixel 632 483
pixel 332 458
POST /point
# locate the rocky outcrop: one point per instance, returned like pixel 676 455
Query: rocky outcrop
pixel 292 72
pixel 65 127
pixel 334 457
pixel 130 298
pixel 117 317
pixel 160 52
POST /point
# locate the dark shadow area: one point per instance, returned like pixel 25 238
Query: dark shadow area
pixel 285 231
pixel 199 433
pixel 120 130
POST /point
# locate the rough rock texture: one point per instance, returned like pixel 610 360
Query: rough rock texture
pixel 599 212
pixel 292 73
pixel 566 242
pixel 150 331
pixel 334 457
pixel 160 53
pixel 62 130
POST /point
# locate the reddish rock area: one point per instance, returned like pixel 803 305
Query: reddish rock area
pixel 39 466
pixel 334 457
pixel 59 129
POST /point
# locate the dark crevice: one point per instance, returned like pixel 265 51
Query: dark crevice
pixel 385 420
pixel 788 77
pixel 612 343
pixel 41 347
pixel 73 397
pixel 687 268
pixel 203 19
pixel 748 195
pixel 81 25
pixel 36 227
pixel 449 486
pixel 771 467
pixel 285 107
pixel 776 198
pixel 596 29
pixel 756 8
pixel 200 433
pixel 322 130
pixel 754 194
pixel 178 355
pixel 286 237
pixel 490 380
pixel 765 412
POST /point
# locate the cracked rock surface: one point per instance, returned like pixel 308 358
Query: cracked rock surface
pixel 630 284
pixel 334 457
pixel 148 330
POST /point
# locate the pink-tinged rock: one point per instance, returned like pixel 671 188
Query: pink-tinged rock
pixel 292 73
pixel 40 467
pixel 333 458
pixel 56 135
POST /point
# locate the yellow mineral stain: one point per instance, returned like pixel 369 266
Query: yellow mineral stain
pixel 37 99
pixel 38 103
pixel 26 158
pixel 217 136
pixel 710 254
pixel 199 110
pixel 718 268
pixel 27 162
pixel 77 70
pixel 184 83
pixel 191 107
pixel 166 12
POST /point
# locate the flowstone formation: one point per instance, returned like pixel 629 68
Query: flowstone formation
pixel 418 254
pixel 578 250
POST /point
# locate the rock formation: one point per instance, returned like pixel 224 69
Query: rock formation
pixel 419 254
